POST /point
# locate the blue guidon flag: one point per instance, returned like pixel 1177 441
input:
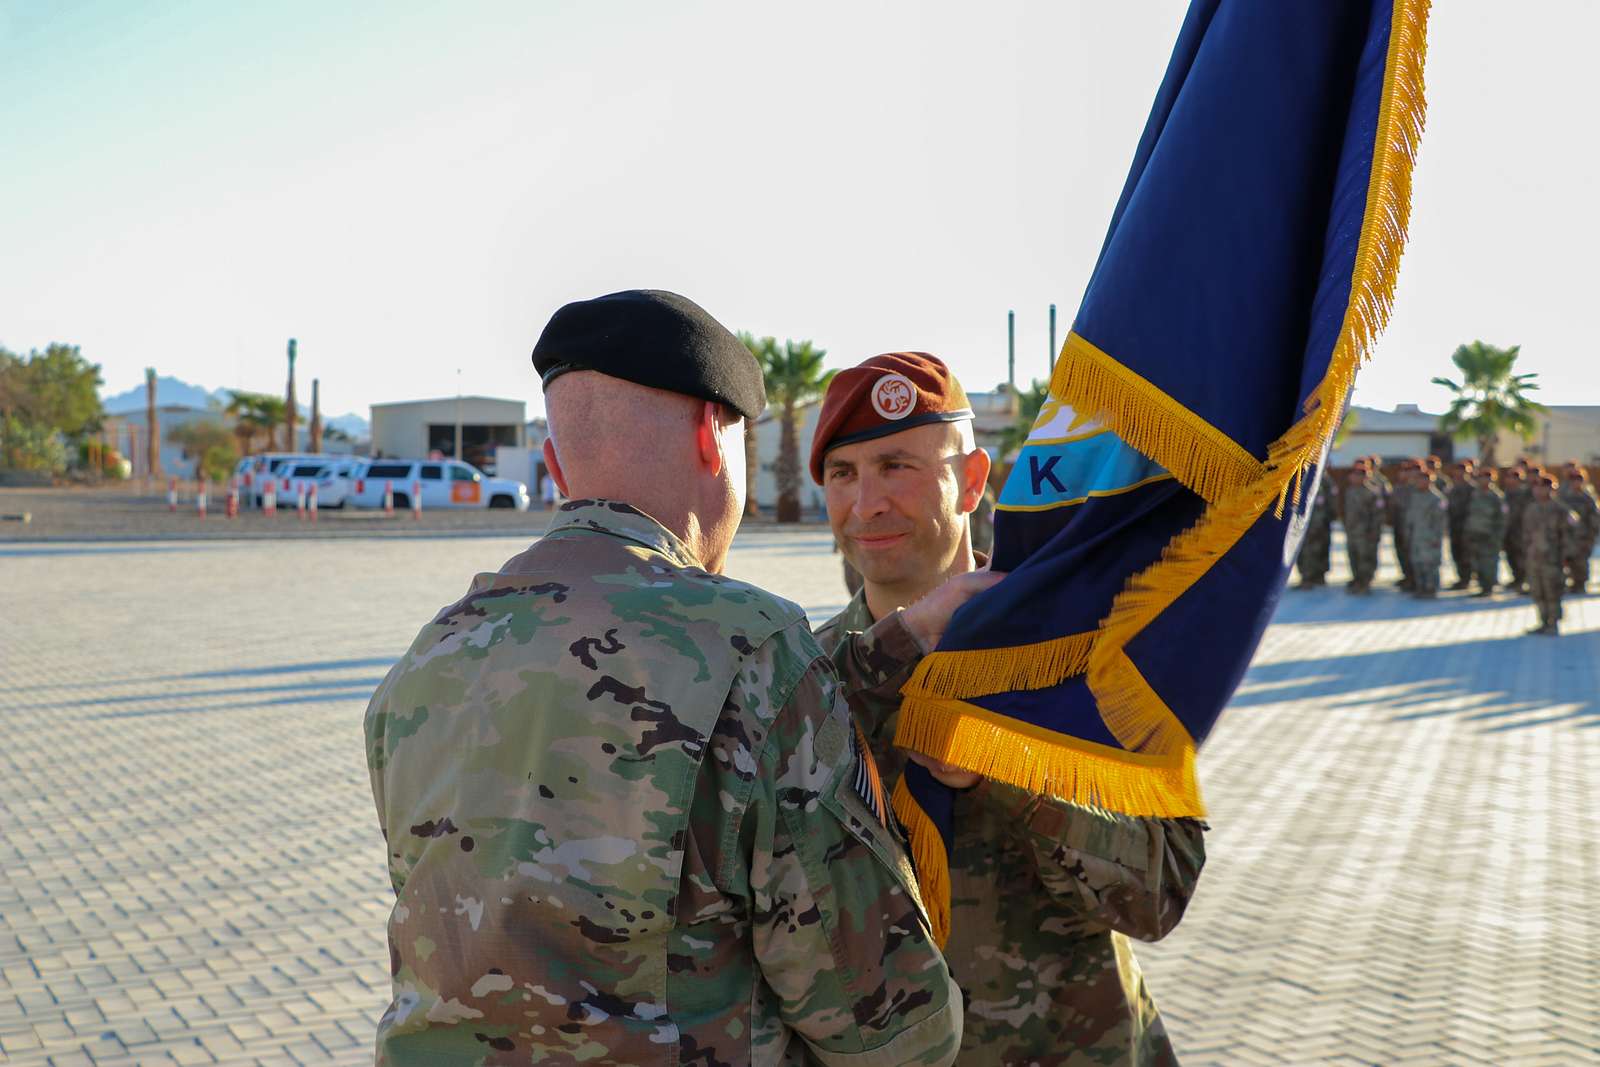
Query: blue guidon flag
pixel 1149 522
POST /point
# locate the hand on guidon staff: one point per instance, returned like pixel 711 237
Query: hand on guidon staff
pixel 928 617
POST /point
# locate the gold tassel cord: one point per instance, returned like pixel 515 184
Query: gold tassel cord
pixel 928 856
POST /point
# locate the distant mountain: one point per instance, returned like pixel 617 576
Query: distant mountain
pixel 176 391
pixel 168 391
pixel 354 425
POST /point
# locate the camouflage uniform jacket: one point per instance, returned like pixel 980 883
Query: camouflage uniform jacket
pixel 1426 516
pixel 626 824
pixel 1517 501
pixel 1042 893
pixel 1547 532
pixel 1362 512
pixel 1487 514
pixel 1581 502
pixel 1460 499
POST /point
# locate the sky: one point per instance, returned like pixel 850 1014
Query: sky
pixel 411 189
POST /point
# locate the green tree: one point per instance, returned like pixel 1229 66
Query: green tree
pixel 1489 398
pixel 794 378
pixel 46 397
pixel 255 415
pixel 764 349
pixel 210 445
pixel 1029 403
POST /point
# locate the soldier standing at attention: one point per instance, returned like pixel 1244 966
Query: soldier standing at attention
pixel 627 817
pixel 1427 518
pixel 1312 562
pixel 1395 512
pixel 1581 502
pixel 1518 496
pixel 1363 527
pixel 1044 893
pixel 1486 530
pixel 1548 530
pixel 1459 496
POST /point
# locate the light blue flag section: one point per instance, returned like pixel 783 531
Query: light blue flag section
pixel 1068 459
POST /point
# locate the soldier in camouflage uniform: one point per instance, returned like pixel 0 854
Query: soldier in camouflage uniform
pixel 1044 893
pixel 1486 530
pixel 1394 513
pixel 1312 561
pixel 627 814
pixel 1459 496
pixel 1362 514
pixel 1548 530
pixel 1581 502
pixel 1426 518
pixel 1518 496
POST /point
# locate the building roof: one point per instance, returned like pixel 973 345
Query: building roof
pixel 1405 418
pixel 449 400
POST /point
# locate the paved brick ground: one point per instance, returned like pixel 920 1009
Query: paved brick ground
pixel 1406 853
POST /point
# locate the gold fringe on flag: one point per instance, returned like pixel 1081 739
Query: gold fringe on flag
pixel 980 672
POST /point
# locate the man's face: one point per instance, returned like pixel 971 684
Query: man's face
pixel 898 504
pixel 1358 475
pixel 1541 490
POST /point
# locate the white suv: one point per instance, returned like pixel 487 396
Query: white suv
pixel 445 483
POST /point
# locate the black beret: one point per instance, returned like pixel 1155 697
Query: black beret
pixel 654 338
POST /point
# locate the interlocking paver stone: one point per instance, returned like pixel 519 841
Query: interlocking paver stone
pixel 1405 854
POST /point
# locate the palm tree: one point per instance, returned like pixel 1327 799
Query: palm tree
pixel 255 414
pixel 763 348
pixel 1029 403
pixel 795 378
pixel 1489 398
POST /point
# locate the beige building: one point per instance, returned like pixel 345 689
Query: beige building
pixel 1407 432
pixel 415 429
pixel 1562 432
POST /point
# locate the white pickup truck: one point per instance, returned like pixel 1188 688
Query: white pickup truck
pixel 445 483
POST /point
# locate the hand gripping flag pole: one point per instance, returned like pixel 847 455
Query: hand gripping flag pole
pixel 1151 517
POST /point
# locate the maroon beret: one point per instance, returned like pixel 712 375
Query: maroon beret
pixel 884 395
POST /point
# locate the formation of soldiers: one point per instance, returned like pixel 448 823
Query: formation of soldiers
pixel 1544 523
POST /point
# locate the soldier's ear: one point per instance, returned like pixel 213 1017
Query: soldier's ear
pixel 974 476
pixel 707 441
pixel 553 465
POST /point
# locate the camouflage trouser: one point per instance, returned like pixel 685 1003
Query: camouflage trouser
pixel 1313 558
pixel 1514 559
pixel 1485 561
pixel 1578 566
pixel 1363 560
pixel 1461 555
pixel 1402 551
pixel 1425 560
pixel 1545 584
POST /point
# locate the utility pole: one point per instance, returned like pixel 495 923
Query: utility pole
pixel 152 463
pixel 458 414
pixel 1011 360
pixel 316 415
pixel 289 416
pixel 1053 350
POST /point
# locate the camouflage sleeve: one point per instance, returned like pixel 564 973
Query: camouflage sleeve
pixel 1133 875
pixel 872 666
pixel 839 933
